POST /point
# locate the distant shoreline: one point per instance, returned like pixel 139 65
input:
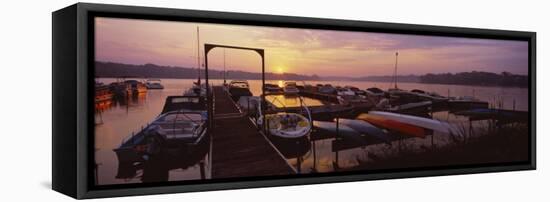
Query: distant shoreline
pixel 481 79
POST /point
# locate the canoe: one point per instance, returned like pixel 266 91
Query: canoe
pixel 344 131
pixel 366 128
pixel 390 124
pixel 328 126
pixel 427 123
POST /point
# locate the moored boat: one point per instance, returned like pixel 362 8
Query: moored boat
pixel 287 125
pixel 154 84
pixel 403 128
pixel 136 87
pixel 327 89
pixel 176 131
pixel 427 123
pixel 272 89
pixel 467 103
pixel 103 93
pixel 238 88
pixel 367 129
pixel 290 88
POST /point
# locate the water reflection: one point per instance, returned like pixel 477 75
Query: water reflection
pixel 119 117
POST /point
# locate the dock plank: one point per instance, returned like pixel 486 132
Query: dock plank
pixel 238 149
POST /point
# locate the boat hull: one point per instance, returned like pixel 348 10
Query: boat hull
pixel 403 128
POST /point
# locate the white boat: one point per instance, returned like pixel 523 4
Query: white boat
pixel 290 88
pixel 154 84
pixel 287 125
pixel 344 92
pixel 431 124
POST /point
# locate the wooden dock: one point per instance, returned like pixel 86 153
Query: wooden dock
pixel 238 149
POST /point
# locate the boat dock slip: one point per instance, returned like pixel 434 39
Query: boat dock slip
pixel 238 149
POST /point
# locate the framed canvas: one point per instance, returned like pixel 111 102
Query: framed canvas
pixel 157 100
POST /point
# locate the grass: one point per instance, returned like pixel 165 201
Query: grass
pixel 488 144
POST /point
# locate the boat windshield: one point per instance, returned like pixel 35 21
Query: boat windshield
pixel 239 85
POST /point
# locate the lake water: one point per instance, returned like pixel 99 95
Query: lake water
pixel 118 119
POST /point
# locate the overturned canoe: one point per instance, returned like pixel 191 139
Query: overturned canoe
pixel 427 123
pixel 404 128
pixel 367 129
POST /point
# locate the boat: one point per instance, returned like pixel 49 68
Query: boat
pixel 197 90
pixel 272 89
pixel 249 103
pixel 466 103
pixel 177 130
pixel 434 97
pixel 120 88
pixel 287 125
pixel 375 92
pixel 290 88
pixel 136 87
pixel 412 108
pixel 327 89
pixel 427 123
pixel 390 124
pixel 367 129
pixel 332 128
pixel 358 102
pixel 154 84
pixel 238 88
pixel 103 93
pixel 344 92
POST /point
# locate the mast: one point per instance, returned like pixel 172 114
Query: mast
pixel 224 79
pixel 198 58
pixel 395 71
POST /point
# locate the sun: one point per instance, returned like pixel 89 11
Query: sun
pixel 280 70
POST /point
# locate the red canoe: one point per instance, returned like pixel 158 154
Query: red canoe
pixel 400 127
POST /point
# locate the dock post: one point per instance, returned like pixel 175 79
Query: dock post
pixel 203 175
pixel 314 156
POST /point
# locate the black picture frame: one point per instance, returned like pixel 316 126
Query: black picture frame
pixel 73 87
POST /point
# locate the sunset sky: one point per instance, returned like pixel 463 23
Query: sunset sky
pixel 303 51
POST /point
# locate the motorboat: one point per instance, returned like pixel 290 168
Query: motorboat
pixel 239 88
pixel 103 93
pixel 466 103
pixel 375 92
pixel 290 88
pixel 344 92
pixel 154 84
pixel 327 89
pixel 287 125
pixel 180 127
pixel 272 88
pixel 136 87
pixel 196 90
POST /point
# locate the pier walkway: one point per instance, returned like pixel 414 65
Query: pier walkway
pixel 238 149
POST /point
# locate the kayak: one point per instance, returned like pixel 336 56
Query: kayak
pixel 390 124
pixel 366 128
pixel 427 123
pixel 344 131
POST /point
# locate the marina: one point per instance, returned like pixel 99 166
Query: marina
pixel 326 148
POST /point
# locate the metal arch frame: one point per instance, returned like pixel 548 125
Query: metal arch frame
pixel 207 48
